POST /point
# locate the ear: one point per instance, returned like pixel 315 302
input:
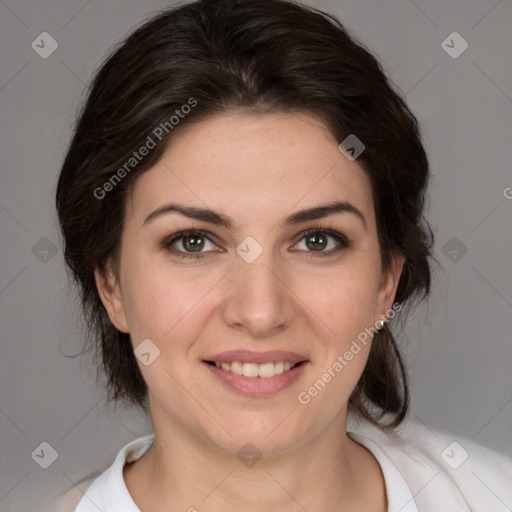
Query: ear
pixel 388 285
pixel 110 293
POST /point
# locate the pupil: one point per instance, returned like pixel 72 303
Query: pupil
pixel 194 243
pixel 314 239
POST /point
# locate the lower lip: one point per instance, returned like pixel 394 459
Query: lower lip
pixel 257 386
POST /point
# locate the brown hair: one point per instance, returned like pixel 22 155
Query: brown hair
pixel 261 56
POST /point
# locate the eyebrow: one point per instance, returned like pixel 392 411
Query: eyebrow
pixel 219 219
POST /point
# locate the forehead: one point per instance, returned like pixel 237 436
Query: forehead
pixel 241 164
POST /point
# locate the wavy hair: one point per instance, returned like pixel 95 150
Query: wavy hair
pixel 259 56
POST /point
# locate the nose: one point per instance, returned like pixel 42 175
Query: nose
pixel 258 299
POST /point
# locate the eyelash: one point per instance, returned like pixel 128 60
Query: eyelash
pixel 344 242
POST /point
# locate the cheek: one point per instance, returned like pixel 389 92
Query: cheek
pixel 161 302
pixel 346 304
pixel 345 300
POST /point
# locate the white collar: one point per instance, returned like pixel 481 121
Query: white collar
pixel 110 494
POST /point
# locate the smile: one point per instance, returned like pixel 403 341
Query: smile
pixel 265 370
pixel 255 379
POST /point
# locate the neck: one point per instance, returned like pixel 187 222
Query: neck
pixel 184 471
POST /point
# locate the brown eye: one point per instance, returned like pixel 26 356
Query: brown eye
pixel 188 244
pixel 192 243
pixel 317 242
pixel 324 242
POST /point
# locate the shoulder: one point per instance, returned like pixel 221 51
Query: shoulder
pixel 101 486
pixel 68 501
pixel 437 464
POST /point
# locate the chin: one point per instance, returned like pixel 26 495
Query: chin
pixel 263 436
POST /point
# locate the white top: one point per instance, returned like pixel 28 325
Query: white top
pixel 424 471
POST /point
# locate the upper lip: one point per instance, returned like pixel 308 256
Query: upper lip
pixel 246 356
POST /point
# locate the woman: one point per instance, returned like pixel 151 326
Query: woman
pixel 242 207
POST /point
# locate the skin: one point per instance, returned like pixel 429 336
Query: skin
pixel 256 170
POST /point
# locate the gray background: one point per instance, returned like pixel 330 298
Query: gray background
pixel 458 347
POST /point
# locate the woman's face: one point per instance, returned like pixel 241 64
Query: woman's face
pixel 252 283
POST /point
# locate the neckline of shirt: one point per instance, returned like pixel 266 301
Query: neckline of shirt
pixel 112 481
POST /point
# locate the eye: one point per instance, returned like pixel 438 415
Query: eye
pixel 190 243
pixel 195 243
pixel 319 241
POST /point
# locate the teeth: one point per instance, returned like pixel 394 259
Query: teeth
pixel 264 370
pixel 236 367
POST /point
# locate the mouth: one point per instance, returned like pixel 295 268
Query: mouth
pixel 254 370
pixel 262 379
